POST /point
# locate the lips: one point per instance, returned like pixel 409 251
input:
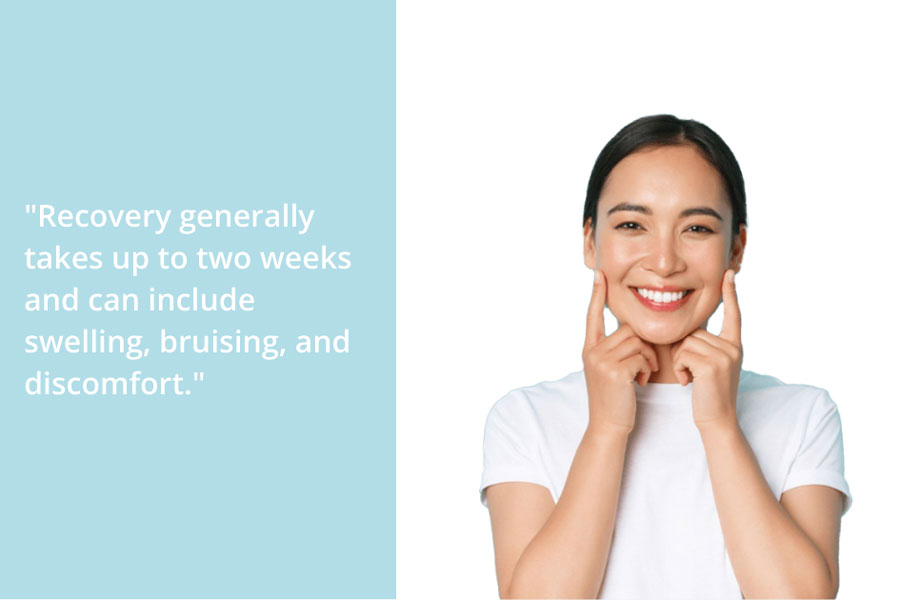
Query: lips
pixel 662 306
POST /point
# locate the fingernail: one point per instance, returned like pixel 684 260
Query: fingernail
pixel 731 276
pixel 596 276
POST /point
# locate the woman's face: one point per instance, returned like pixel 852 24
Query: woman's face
pixel 643 239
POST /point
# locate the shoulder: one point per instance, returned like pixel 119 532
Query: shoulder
pixel 764 385
pixel 543 398
pixel 758 392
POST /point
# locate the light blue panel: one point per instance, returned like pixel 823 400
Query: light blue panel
pixel 274 479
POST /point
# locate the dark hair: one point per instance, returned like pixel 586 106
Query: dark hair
pixel 668 130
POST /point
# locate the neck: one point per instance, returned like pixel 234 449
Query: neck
pixel 666 373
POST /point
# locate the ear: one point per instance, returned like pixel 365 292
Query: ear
pixel 737 249
pixel 589 250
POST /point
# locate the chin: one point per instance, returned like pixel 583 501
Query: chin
pixel 661 336
pixel 661 340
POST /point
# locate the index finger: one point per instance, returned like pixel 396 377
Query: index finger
pixel 595 326
pixel 731 325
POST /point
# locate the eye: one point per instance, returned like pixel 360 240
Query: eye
pixel 622 225
pixel 699 228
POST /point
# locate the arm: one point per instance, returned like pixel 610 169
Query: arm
pixel 771 555
pixel 567 556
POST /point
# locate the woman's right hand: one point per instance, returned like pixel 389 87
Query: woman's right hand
pixel 611 364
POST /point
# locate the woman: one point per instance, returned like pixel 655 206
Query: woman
pixel 662 469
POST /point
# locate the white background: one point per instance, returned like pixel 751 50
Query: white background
pixel 502 108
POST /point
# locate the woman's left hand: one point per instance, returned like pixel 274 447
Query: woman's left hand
pixel 714 364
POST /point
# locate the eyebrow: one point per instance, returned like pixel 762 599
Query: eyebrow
pixel 696 210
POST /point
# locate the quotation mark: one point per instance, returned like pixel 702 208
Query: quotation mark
pixel 30 209
pixel 198 376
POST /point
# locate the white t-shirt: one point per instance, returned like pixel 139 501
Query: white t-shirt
pixel 667 541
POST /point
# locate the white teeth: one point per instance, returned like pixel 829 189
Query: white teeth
pixel 662 297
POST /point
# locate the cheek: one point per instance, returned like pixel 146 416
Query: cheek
pixel 615 258
pixel 707 304
pixel 619 250
pixel 618 300
pixel 709 257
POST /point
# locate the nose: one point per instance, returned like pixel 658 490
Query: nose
pixel 663 256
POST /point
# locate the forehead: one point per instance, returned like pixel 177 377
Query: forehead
pixel 666 177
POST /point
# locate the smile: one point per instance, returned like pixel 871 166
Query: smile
pixel 664 301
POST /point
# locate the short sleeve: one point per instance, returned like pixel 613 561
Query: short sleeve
pixel 511 444
pixel 820 459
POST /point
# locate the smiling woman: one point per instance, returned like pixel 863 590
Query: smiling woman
pixel 663 469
